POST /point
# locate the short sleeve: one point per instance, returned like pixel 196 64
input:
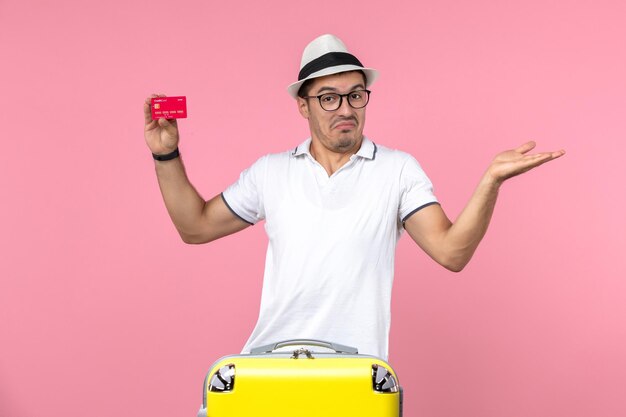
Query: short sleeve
pixel 416 190
pixel 245 197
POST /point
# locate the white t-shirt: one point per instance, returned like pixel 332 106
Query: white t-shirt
pixel 332 240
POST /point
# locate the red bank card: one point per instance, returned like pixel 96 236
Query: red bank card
pixel 169 107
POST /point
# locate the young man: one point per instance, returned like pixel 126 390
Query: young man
pixel 334 208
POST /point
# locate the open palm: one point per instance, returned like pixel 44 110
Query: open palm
pixel 517 161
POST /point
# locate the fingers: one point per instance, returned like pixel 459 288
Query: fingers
pixel 546 155
pixel 526 147
pixel 147 111
pixel 153 95
pixel 532 161
pixel 147 114
pixel 537 159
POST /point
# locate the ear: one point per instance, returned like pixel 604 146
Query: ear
pixel 303 107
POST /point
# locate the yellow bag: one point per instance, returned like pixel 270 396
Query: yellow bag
pixel 302 382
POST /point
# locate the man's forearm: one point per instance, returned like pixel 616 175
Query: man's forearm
pixel 463 237
pixel 184 204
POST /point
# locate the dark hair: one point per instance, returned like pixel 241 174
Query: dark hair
pixel 304 88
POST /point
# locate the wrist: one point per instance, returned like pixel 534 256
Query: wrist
pixel 166 157
pixel 491 182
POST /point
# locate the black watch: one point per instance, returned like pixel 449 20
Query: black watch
pixel 167 156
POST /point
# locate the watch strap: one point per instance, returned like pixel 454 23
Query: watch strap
pixel 167 156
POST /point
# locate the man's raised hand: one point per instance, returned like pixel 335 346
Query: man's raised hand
pixel 161 135
pixel 517 161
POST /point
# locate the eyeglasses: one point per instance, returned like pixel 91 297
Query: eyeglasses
pixel 332 101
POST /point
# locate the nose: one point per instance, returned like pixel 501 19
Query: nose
pixel 345 107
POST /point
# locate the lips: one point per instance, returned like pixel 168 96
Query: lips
pixel 345 124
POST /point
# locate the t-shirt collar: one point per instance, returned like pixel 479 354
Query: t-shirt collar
pixel 367 150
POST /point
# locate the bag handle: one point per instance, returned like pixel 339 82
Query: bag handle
pixel 313 342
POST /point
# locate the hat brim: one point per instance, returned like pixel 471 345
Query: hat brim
pixel 370 76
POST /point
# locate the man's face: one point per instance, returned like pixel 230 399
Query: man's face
pixel 340 130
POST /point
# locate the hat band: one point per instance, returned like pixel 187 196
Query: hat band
pixel 331 59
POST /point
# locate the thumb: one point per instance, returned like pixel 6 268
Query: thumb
pixel 168 126
pixel 526 147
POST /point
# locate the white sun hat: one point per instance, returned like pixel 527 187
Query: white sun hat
pixel 328 55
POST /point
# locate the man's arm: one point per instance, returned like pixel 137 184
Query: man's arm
pixel 453 244
pixel 196 220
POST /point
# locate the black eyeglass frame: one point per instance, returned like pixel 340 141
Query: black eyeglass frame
pixel 341 96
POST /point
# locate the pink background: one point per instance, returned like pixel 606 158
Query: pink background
pixel 104 311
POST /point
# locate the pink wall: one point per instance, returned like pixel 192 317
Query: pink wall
pixel 104 311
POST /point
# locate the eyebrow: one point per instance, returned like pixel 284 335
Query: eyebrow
pixel 334 90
